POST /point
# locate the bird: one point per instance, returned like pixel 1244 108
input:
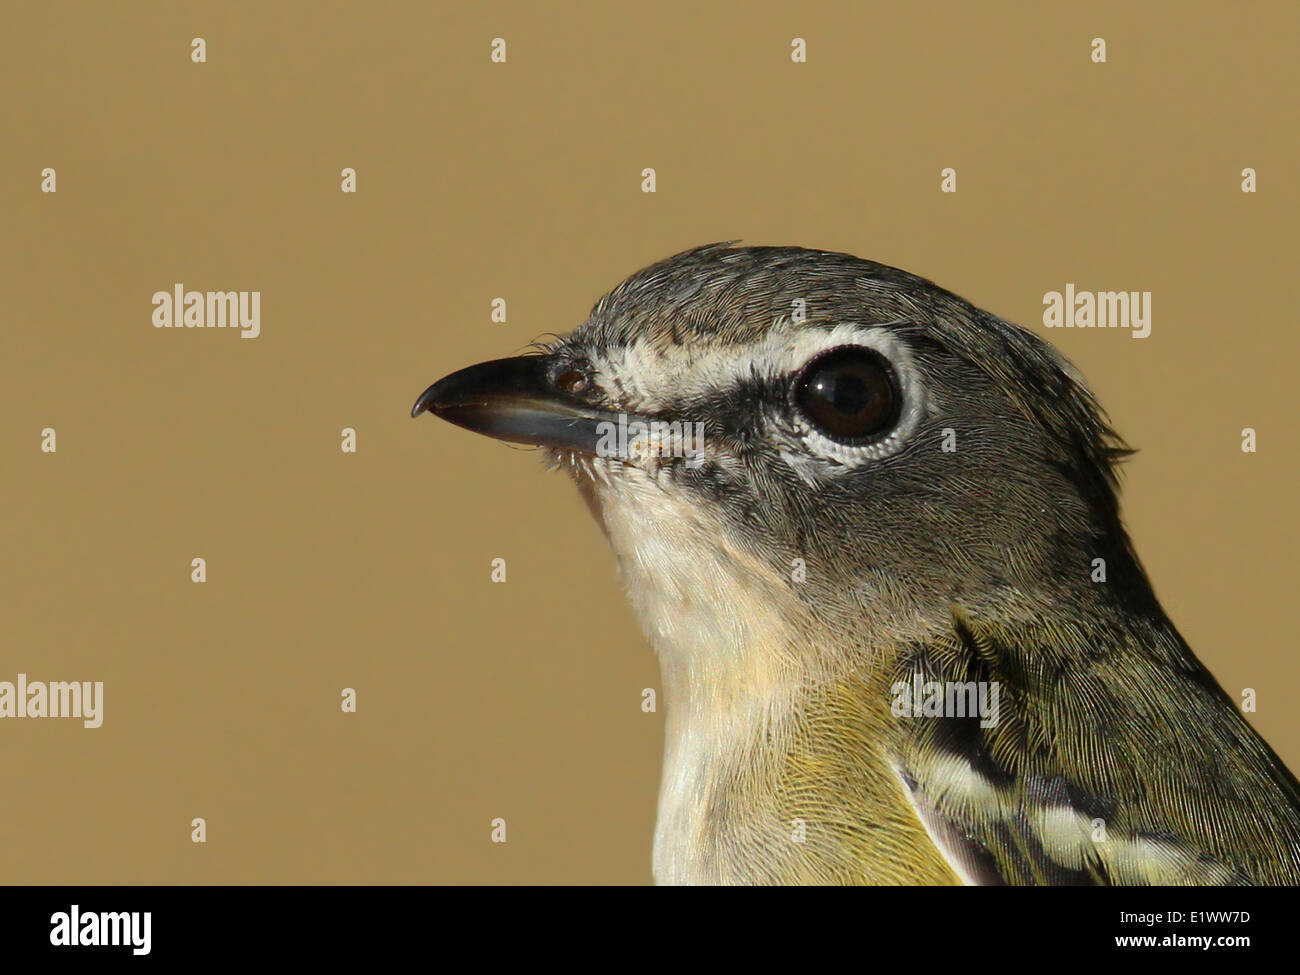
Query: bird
pixel 902 632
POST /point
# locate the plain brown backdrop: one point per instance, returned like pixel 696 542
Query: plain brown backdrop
pixel 522 180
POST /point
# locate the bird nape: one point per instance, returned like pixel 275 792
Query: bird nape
pixel 873 534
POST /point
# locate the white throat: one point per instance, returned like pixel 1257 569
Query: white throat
pixel 725 629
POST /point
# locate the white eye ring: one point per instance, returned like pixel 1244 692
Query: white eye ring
pixel 812 343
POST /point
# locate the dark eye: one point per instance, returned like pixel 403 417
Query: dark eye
pixel 849 394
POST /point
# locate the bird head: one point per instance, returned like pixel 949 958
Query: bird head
pixel 860 446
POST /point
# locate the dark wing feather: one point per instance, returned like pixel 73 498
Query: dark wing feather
pixel 1151 776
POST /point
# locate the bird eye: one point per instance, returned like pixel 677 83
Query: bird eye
pixel 849 394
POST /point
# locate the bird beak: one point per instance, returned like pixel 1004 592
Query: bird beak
pixel 516 400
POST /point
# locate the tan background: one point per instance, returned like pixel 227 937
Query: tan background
pixel 522 180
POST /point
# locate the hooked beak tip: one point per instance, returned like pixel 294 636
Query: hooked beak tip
pixel 440 394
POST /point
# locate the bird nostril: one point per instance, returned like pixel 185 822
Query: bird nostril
pixel 574 380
